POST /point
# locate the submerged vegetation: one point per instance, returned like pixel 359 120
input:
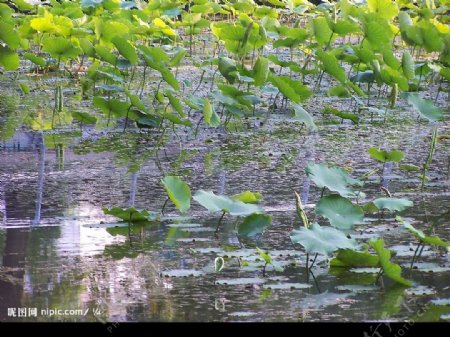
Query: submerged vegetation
pixel 133 78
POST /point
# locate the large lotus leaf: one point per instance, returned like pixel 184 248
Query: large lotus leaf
pixel 341 212
pixel 261 71
pixel 292 89
pixel 386 9
pixel 216 203
pixel 227 68
pixel 422 237
pixel 352 258
pixel 210 115
pixel 115 106
pixel 376 31
pixel 60 48
pixel 321 30
pixel 386 156
pixel 35 59
pixel 392 204
pixel 335 179
pixel 331 66
pixel 391 270
pixel 178 191
pixel 9 35
pixel 254 224
pixel 323 240
pixel 125 49
pixel 425 107
pixel 408 65
pixel 169 78
pixel 130 214
pixel 9 59
pixel 175 103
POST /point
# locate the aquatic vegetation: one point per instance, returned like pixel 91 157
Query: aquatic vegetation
pixel 231 96
pixel 178 191
pixel 130 215
pixel 226 205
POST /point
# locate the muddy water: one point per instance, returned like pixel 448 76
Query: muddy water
pixel 59 251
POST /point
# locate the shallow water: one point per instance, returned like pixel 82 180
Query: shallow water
pixel 58 249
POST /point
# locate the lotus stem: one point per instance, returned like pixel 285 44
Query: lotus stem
pixel 312 264
pixel 218 224
pixel 164 206
pixel 414 256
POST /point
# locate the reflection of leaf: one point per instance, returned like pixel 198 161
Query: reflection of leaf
pixel 254 224
pixel 126 229
pixel 391 270
pixel 178 191
pixel 323 240
pixel 175 233
pixel 341 212
pixel 215 203
pixel 118 252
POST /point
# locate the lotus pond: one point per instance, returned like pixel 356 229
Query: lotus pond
pixel 224 161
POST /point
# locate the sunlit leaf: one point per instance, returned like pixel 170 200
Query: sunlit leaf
pixel 391 270
pixel 9 59
pixel 178 192
pixel 386 156
pixel 248 197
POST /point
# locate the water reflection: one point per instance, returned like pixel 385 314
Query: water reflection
pixel 41 178
pixel 73 260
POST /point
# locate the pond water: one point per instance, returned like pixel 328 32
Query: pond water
pixel 59 250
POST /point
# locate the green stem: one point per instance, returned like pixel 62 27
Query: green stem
pixel 219 223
